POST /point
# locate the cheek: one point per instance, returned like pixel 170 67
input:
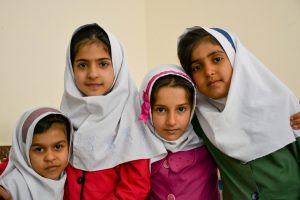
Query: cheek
pixel 156 122
pixel 111 81
pixel 227 76
pixel 230 74
pixel 75 72
pixel 199 82
pixel 79 74
pixel 77 79
pixel 227 70
pixel 65 158
pixel 186 121
pixel 111 77
pixel 31 158
pixel 35 162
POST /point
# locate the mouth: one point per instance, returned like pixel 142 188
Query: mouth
pixel 52 168
pixel 213 83
pixel 171 131
pixel 93 85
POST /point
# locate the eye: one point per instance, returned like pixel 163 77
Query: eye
pixel 196 67
pixel 104 64
pixel 58 147
pixel 81 65
pixel 181 109
pixel 217 59
pixel 160 110
pixel 39 149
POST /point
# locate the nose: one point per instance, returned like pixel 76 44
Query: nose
pixel 93 71
pixel 171 120
pixel 50 156
pixel 209 70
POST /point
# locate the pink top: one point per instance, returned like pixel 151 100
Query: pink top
pixel 185 175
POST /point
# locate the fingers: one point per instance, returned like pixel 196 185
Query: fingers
pixel 295 121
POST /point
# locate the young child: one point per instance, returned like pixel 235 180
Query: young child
pixel 187 171
pixel 38 156
pixel 111 151
pixel 243 110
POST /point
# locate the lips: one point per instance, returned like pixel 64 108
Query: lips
pixel 52 168
pixel 212 83
pixel 93 85
pixel 171 131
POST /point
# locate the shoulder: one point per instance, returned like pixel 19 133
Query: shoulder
pixel 15 183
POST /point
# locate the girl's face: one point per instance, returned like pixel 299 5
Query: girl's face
pixel 211 69
pixel 49 151
pixel 93 69
pixel 171 112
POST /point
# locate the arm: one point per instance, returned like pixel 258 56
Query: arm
pixel 295 121
pixel 5 195
pixel 134 180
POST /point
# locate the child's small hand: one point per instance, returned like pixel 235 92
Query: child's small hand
pixel 5 195
pixel 295 121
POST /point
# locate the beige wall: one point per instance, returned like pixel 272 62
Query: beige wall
pixel 34 36
pixel 33 39
pixel 269 28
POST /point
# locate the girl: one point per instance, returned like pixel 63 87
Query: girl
pixel 243 110
pixel 111 152
pixel 39 156
pixel 187 171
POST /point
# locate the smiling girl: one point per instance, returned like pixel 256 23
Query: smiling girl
pixel 110 158
pixel 244 111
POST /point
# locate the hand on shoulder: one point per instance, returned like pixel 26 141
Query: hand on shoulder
pixel 5 195
pixel 295 120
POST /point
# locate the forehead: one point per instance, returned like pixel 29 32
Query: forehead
pixel 55 133
pixel 171 94
pixel 203 44
pixel 33 118
pixel 96 46
pixel 205 49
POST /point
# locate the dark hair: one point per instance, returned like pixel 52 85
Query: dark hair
pixel 88 34
pixel 46 122
pixel 188 41
pixel 173 81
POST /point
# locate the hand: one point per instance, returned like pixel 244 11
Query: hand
pixel 295 121
pixel 5 195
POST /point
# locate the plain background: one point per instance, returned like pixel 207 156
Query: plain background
pixel 34 36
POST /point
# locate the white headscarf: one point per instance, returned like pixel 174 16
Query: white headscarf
pixel 255 119
pixel 19 178
pixel 189 140
pixel 107 130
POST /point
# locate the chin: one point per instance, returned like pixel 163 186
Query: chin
pixel 54 177
pixel 172 138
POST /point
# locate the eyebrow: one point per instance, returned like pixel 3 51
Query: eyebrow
pixel 58 142
pixel 215 52
pixel 86 60
pixel 184 104
pixel 160 105
pixel 210 54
